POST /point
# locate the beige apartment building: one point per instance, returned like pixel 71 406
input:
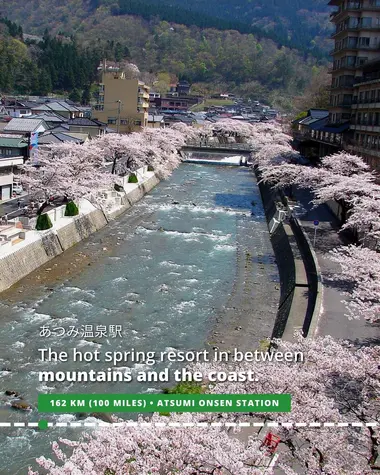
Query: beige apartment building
pixel 122 102
pixel 355 88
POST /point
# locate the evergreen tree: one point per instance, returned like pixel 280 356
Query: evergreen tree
pixel 86 96
pixel 75 96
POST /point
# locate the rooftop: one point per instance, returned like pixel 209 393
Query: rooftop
pixel 24 125
pixel 13 142
pixel 85 122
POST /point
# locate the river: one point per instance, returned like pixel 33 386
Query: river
pixel 171 271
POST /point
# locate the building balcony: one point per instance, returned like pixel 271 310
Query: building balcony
pixel 354 28
pixel 356 48
pixel 365 128
pixel 339 15
pixel 362 149
pixel 330 139
pixel 366 104
pixel 374 78
pixel 342 68
pixel 346 87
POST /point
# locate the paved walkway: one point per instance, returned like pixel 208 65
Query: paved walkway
pixel 332 320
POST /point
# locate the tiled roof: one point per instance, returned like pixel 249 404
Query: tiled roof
pixel 24 125
pixel 57 137
pixel 318 113
pixel 84 122
pixel 12 142
pixel 49 117
pixel 56 106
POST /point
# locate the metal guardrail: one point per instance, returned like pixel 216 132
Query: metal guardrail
pixel 213 145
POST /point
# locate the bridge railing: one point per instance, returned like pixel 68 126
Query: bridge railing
pixel 218 145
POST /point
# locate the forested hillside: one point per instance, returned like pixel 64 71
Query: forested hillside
pixel 215 59
pixel 296 23
pixel 39 68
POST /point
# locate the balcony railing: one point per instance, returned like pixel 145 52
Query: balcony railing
pixel 374 77
pixel 355 28
pixel 356 47
pixel 332 139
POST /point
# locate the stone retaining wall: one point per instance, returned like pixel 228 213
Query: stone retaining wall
pixel 298 269
pixel 46 245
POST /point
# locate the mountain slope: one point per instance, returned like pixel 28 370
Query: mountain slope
pixel 288 22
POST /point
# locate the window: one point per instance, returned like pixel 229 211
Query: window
pixel 361 60
pixel 377 119
pixel 138 122
pixel 99 107
pixel 365 22
pixel 373 96
pixel 124 121
pixel 364 42
pixel 111 120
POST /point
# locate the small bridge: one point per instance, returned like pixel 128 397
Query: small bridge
pixel 212 147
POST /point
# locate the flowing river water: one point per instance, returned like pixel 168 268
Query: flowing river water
pixel 191 264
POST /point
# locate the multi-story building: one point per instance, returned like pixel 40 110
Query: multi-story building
pixel 357 42
pixel 123 102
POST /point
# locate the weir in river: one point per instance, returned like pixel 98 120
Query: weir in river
pixel 190 265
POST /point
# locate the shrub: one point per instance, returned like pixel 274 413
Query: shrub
pixel 150 168
pixel 118 187
pixel 43 222
pixel 133 179
pixel 71 209
pixel 189 387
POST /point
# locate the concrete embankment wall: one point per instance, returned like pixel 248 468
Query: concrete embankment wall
pixel 299 275
pixel 42 246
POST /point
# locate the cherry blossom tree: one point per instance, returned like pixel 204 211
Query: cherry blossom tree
pixel 66 170
pixel 360 267
pixel 333 383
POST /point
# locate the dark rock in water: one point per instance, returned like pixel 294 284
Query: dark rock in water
pixel 6 369
pixel 21 405
pixel 102 416
pixel 12 393
pixel 175 202
pixel 81 415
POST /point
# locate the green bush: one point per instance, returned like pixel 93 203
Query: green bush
pixel 185 388
pixel 150 168
pixel 133 179
pixel 43 222
pixel 71 209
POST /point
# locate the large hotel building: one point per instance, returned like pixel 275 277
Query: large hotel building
pixel 353 121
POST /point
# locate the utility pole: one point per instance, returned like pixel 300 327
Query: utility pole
pixel 118 115
pixel 119 105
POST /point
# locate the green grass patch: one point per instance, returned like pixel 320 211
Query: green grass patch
pixel 211 102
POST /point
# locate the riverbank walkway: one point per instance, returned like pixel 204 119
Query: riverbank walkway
pixel 332 320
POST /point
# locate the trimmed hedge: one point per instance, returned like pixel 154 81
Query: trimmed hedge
pixel 150 168
pixel 71 209
pixel 133 179
pixel 43 222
